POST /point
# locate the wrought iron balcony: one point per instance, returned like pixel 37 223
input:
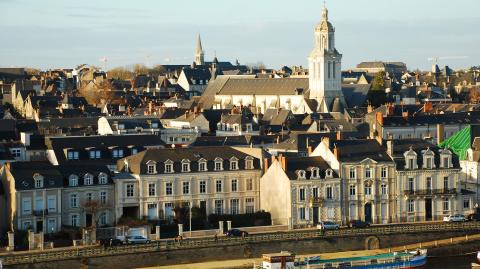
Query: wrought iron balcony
pixel 41 212
pixel 316 201
pixel 427 192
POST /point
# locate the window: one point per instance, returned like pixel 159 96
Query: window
pixel 446 204
pixel 446 161
pixel 234 205
pixel 219 207
pixel 314 173
pixel 16 153
pixel 72 155
pixel 353 173
pixel 103 218
pixel 411 184
pixel 52 203
pixel 329 192
pixel 384 172
pixel 151 168
pixel 185 166
pixel 368 172
pixel 103 197
pixel 218 186
pixel 168 168
pixel 88 196
pixel 39 183
pixel 130 190
pixel 466 203
pixel 249 184
pixel 72 181
pixel 168 188
pixel 411 206
pixel 134 151
pixel 88 179
pixel 73 200
pixel 202 166
pixel 353 190
pixel 27 225
pixel 411 163
pixel 218 165
pixel 248 164
pixel 302 194
pixel 152 189
pixel 249 205
pixel 301 213
pixel 39 203
pixel 445 183
pixel 74 220
pixel 186 187
pixel 102 179
pixel 27 206
pixel 428 183
pixel 428 162
pixel 233 165
pixel 203 186
pixel 383 187
pixel 315 192
pixel 118 153
pixel 95 154
pixel 368 190
pixel 301 174
pixel 234 185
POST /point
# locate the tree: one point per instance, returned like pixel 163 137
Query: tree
pixel 97 93
pixel 120 73
pixel 93 207
pixel 376 97
pixel 378 83
pixel 474 96
pixel 140 69
pixel 256 66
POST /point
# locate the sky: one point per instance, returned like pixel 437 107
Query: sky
pixel 63 33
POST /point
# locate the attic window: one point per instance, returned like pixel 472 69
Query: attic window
pixel 168 166
pixel 73 181
pixel 329 173
pixel 185 166
pixel 73 155
pixel 102 178
pixel 202 165
pixel 249 163
pixel 88 179
pixel 151 167
pixel 117 153
pixel 95 154
pixel 315 173
pixel 121 126
pixel 154 125
pixel 234 164
pixel 38 179
pixel 301 174
pixel 218 164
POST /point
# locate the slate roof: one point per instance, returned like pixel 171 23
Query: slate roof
pixel 418 145
pixel 472 117
pixel 359 150
pixel 138 163
pixel 260 86
pixel 197 74
pixel 81 170
pixel 298 141
pixel 8 130
pixel 23 173
pixel 294 164
pixel 355 94
pixel 134 122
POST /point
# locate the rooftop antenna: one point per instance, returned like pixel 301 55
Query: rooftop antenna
pixel 104 60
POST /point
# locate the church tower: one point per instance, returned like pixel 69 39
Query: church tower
pixel 325 67
pixel 199 54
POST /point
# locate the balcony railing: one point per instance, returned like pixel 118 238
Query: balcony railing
pixel 316 201
pixel 41 212
pixel 426 192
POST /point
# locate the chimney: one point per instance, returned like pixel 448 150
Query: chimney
pixel 380 118
pixel 390 148
pixel 440 133
pixel 427 107
pixel 405 114
pixel 339 135
pixel 369 109
pixel 265 164
pixel 336 151
pixel 326 141
pixel 283 160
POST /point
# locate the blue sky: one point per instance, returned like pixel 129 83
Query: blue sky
pixel 64 33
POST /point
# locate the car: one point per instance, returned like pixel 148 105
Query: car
pixel 328 225
pixel 358 224
pixel 454 218
pixel 474 216
pixel 235 233
pixel 111 242
pixel 137 239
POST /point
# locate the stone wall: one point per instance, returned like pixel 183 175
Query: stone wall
pixel 311 246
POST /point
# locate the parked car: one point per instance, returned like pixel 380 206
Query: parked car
pixel 111 242
pixel 454 218
pixel 235 233
pixel 474 216
pixel 137 239
pixel 328 225
pixel 358 224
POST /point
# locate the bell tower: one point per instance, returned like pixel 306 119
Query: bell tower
pixel 199 54
pixel 325 66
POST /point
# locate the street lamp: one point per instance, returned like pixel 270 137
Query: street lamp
pixel 190 217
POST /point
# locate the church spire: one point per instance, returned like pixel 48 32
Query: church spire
pixel 199 54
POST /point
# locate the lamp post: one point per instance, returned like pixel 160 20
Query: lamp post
pixel 190 217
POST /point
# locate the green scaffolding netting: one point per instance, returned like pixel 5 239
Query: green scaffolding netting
pixel 459 143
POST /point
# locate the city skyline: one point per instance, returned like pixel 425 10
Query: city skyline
pixel 153 33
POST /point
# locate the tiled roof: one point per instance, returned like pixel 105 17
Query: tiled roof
pixel 23 173
pixel 294 164
pixel 268 86
pixel 359 150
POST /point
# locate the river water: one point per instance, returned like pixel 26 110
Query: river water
pixel 463 262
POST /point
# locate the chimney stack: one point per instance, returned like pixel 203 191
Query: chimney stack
pixel 336 151
pixel 339 135
pixel 283 161
pixel 369 109
pixel 390 148
pixel 265 164
pixel 440 133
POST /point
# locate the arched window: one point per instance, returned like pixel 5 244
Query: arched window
pixel 88 179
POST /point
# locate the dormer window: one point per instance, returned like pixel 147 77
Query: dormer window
pixel 151 167
pixel 168 166
pixel 315 173
pixel 185 166
pixel 73 155
pixel 410 159
pixel 428 159
pixel 121 126
pixel 301 174
pixel 233 163
pixel 95 154
pixel 202 165
pixel 102 178
pixel 249 163
pixel 88 180
pixel 117 153
pixel 73 181
pixel 446 159
pixel 38 180
pixel 154 125
pixel 328 173
pixel 134 151
pixel 218 164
